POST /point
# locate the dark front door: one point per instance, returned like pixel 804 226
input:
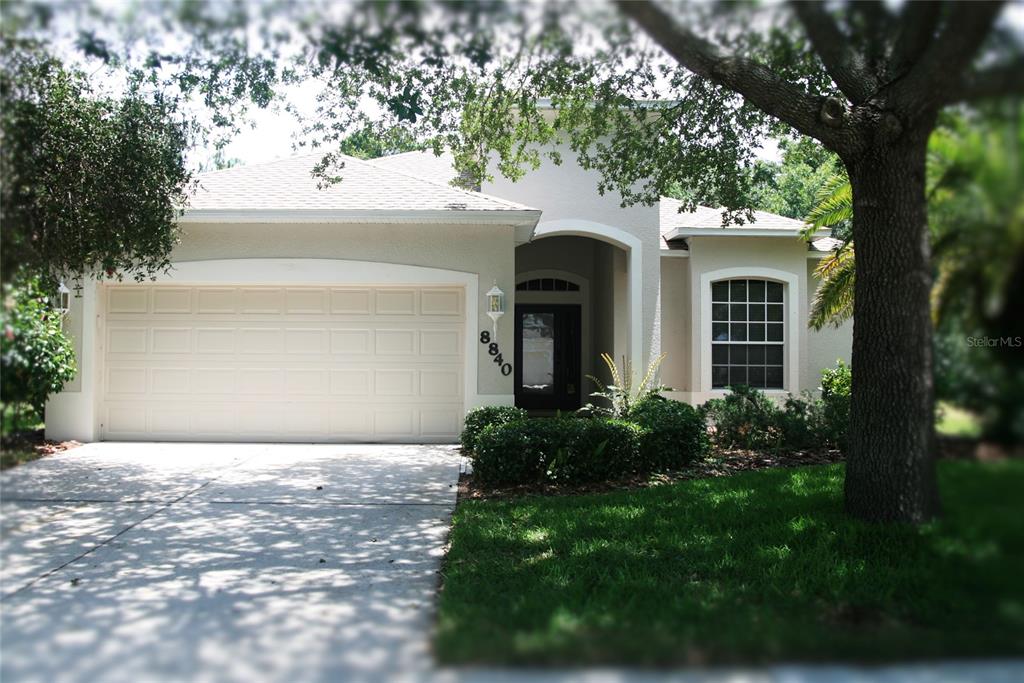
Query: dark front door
pixel 548 356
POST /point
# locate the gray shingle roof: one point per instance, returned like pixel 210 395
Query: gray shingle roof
pixel 707 218
pixel 287 184
pixel 426 165
pixel 670 218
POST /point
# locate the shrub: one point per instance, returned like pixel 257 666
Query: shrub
pixel 744 418
pixel 674 433
pixel 36 357
pixel 594 449
pixel 621 395
pixel 480 418
pixel 801 422
pixel 836 390
pixel 564 449
pixel 513 452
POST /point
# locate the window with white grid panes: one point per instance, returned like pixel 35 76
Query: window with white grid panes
pixel 747 335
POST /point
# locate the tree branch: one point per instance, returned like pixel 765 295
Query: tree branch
pixel 995 81
pixel 929 82
pixel 917 25
pixel 755 82
pixel 846 67
pixel 874 12
pixel 878 26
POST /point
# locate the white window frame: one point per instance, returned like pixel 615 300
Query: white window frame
pixel 790 315
pixel 764 342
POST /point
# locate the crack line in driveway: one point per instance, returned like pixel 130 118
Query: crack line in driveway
pixel 120 533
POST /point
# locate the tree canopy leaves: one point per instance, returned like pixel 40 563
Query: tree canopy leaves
pixel 501 85
pixel 788 187
pixel 89 184
pixel 369 143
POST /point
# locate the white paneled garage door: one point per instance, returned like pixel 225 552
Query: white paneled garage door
pixel 360 363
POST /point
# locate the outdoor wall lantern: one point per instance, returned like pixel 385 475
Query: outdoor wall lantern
pixel 495 305
pixel 63 299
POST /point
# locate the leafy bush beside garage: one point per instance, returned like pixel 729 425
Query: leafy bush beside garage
pixel 36 357
pixel 653 434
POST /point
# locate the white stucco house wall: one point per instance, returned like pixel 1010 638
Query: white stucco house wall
pixel 359 312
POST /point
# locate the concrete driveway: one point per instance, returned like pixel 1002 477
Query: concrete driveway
pixel 135 562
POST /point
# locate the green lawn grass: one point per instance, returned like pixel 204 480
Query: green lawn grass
pixel 954 421
pixel 758 567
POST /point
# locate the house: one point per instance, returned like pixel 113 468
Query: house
pixel 359 312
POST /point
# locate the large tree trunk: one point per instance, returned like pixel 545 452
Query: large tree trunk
pixel 890 471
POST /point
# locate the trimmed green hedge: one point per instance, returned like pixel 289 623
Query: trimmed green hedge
pixel 674 433
pixel 513 452
pixel 507 447
pixel 480 418
pixel 658 434
pixel 594 449
pixel 744 418
pixel 565 449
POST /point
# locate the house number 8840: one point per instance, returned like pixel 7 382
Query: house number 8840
pixel 495 351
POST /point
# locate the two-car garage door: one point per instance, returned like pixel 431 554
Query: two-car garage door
pixel 248 363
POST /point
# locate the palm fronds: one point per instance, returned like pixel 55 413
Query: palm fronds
pixel 976 216
pixel 833 301
pixel 833 204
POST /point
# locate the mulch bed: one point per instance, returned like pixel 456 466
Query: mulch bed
pixel 723 463
pixel 35 440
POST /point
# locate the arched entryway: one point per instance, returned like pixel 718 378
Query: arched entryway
pixel 578 296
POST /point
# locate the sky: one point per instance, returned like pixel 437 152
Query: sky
pixel 272 132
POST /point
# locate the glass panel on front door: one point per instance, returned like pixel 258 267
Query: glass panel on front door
pixel 538 340
pixel 547 356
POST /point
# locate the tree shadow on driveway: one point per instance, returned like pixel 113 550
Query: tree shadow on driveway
pixel 254 574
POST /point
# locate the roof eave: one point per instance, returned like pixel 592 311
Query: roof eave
pixel 527 218
pixel 678 233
